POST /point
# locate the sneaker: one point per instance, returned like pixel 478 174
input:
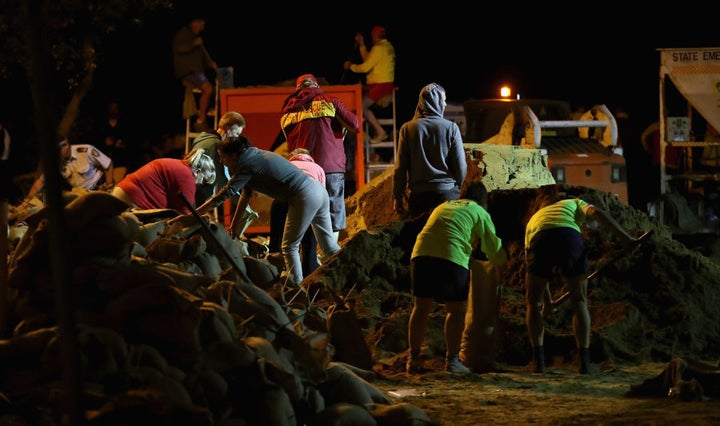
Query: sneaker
pixel 379 138
pixel 455 366
pixel 413 366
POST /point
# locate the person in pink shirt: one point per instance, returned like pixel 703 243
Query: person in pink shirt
pixel 302 159
pixel 159 183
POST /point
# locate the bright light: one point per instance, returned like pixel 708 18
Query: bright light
pixel 505 92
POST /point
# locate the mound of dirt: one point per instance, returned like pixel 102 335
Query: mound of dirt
pixel 650 304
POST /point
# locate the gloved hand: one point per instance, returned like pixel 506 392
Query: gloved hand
pixel 107 186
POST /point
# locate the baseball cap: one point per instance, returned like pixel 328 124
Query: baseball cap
pixel 378 30
pixel 305 80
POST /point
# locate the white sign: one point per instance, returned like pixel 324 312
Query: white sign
pixel 696 74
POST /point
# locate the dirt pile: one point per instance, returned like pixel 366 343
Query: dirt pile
pixel 651 304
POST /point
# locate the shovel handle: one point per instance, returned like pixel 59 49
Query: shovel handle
pixel 212 235
pixel 557 302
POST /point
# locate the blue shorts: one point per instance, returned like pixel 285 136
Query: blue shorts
pixel 439 279
pixel 197 79
pixel 335 185
pixel 557 248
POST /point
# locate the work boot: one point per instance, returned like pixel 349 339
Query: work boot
pixel 413 366
pixel 587 366
pixel 538 362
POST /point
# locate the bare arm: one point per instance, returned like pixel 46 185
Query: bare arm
pixel 360 43
pixel 607 221
pixel 37 186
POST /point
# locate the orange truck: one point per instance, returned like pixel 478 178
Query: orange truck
pixel 581 148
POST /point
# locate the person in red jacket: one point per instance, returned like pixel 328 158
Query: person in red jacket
pixel 318 122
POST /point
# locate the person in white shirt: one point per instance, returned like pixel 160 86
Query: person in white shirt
pixel 82 166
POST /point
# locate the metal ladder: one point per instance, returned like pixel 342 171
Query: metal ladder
pixel 191 134
pixel 390 124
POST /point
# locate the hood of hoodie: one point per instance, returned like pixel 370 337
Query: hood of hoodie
pixel 430 102
pixel 300 98
pixel 301 157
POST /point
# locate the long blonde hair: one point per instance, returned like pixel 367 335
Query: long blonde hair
pixel 202 166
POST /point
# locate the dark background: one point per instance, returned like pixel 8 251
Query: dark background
pixel 586 53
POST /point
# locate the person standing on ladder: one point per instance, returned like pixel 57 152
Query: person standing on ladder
pixel 379 67
pixel 191 60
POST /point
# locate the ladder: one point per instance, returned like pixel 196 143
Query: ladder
pixel 212 113
pixel 382 155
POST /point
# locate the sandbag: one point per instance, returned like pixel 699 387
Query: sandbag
pixel 479 341
pixel 348 337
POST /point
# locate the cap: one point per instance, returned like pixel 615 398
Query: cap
pixel 306 80
pixel 378 30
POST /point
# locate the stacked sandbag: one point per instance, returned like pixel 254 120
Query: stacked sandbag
pixel 160 343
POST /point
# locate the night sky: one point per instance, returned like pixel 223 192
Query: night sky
pixel 603 55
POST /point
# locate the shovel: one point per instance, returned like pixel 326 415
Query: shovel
pixel 242 219
pixel 603 264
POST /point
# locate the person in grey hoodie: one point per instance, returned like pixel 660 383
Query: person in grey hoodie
pixel 431 164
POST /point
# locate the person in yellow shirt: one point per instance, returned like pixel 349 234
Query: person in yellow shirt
pixel 440 270
pixel 554 244
pixel 379 67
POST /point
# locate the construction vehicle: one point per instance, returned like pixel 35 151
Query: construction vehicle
pixel 689 119
pixel 582 151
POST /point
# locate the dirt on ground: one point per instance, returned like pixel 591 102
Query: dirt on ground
pixel 653 311
pixel 649 306
pixel 560 397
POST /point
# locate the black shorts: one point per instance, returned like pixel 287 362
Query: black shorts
pixel 425 202
pixel 439 279
pixel 561 248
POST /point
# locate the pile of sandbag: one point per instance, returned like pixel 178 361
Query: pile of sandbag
pixel 171 327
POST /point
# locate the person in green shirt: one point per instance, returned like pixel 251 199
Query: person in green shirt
pixel 554 243
pixel 440 271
